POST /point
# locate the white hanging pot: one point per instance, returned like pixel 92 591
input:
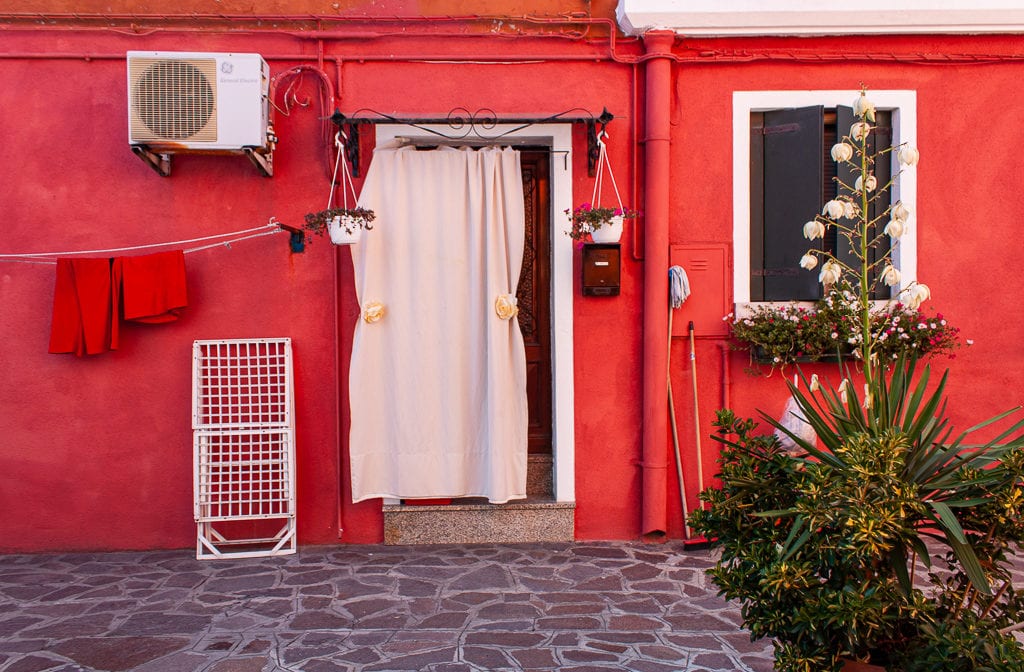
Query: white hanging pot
pixel 344 230
pixel 610 232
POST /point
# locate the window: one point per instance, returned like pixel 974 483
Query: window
pixel 782 176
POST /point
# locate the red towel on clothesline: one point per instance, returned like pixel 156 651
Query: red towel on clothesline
pixel 83 319
pixel 152 286
pixel 89 295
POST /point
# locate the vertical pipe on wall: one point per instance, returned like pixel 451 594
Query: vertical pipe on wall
pixel 654 516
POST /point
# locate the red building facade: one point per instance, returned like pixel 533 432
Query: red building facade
pixel 96 450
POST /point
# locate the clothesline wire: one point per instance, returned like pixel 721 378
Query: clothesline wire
pixel 227 243
pixel 272 224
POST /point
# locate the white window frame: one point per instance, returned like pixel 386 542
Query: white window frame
pixel 903 105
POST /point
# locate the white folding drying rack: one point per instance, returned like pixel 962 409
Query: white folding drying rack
pixel 243 426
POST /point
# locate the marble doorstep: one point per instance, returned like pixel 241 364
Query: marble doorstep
pixel 536 519
pixel 532 520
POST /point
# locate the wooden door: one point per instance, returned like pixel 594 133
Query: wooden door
pixel 534 295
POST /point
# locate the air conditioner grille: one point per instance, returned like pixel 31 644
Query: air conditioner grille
pixel 174 99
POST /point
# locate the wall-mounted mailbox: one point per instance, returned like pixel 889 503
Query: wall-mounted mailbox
pixel 601 269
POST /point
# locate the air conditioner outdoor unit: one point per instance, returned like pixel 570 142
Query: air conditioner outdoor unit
pixel 189 101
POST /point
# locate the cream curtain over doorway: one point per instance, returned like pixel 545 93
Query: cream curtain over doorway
pixel 437 386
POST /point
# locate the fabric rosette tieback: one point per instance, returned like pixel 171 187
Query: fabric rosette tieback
pixel 506 306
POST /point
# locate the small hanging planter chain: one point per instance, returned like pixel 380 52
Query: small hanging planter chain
pixel 604 165
pixel 344 224
pixel 347 185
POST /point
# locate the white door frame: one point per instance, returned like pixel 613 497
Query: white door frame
pixel 559 138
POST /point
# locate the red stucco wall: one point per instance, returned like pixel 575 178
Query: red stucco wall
pixel 95 453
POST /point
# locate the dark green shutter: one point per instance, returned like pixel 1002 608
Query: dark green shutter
pixel 880 138
pixel 789 147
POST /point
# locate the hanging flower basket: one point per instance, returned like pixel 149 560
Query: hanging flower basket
pixel 602 224
pixel 344 225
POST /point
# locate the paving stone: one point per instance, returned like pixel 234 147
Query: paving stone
pixel 502 625
pixel 565 639
pixel 13 626
pixel 319 620
pixel 117 653
pixel 641 606
pixel 698 622
pixel 313 603
pixel 534 659
pixel 417 661
pixel 156 623
pixel 361 655
pixel 310 578
pixel 182 661
pixel 713 661
pixel 507 611
pixel 324 666
pixel 695 640
pixel 295 654
pixel 582 656
pixel 88 625
pixel 601 584
pixel 640 665
pixel 242 584
pixel 368 607
pixel 634 623
pixel 757 664
pixel 624 637
pixel 445 621
pixel 569 623
pixel 658 652
pixel 640 572
pixel 240 665
pixel 601 551
pixel 604 646
pixel 487 658
pixel 490 577
pixel 385 622
pixel 505 639
pixel 256 646
pixel 32 664
pixel 575 609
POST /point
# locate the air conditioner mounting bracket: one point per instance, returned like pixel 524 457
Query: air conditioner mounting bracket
pixel 160 161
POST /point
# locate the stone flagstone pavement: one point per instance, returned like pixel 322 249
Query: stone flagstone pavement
pixel 572 607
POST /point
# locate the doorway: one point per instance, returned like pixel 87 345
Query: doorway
pixel 551 147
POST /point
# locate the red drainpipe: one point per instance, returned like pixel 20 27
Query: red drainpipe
pixel 654 458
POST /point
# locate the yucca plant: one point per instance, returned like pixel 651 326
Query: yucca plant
pixel 821 547
pixel 863 527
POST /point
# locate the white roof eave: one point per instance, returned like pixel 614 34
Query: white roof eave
pixel 720 18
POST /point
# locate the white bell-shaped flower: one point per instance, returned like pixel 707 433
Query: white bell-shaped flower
pixel 842 151
pixel 909 156
pixel 830 273
pixel 814 229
